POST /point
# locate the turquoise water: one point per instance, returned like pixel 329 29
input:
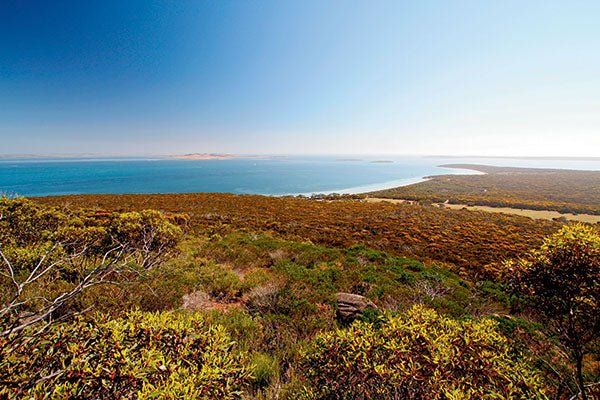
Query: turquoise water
pixel 271 176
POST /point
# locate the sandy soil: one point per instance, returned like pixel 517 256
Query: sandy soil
pixel 535 214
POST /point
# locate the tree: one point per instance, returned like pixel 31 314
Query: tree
pixel 48 257
pixel 561 281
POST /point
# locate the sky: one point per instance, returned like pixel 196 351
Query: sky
pixel 140 77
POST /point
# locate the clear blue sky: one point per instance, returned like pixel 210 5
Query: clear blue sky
pixel 418 77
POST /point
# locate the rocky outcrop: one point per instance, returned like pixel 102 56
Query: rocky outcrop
pixel 350 306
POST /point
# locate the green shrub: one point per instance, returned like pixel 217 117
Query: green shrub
pixel 266 369
pixel 560 281
pixel 219 280
pixel 162 355
pixel 496 291
pixel 245 329
pixel 419 354
pixel 362 252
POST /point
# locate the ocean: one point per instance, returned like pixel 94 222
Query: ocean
pixel 289 175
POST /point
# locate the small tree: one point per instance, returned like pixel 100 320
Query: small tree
pixel 561 280
pixel 48 257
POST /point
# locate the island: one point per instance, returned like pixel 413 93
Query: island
pixel 216 156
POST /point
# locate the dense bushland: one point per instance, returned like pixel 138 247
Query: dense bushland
pixel 49 257
pixel 467 241
pixel 529 188
pixel 143 355
pixel 203 309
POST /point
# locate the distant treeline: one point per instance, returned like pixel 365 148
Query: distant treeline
pixel 566 191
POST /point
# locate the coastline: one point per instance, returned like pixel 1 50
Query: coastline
pixel 572 194
pixel 19 172
pixel 374 187
pixel 362 189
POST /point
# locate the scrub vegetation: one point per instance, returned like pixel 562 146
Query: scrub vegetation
pixel 468 242
pixel 224 296
pixel 565 191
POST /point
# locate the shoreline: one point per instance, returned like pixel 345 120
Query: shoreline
pixel 353 190
pixel 361 189
pixel 546 193
pixel 374 187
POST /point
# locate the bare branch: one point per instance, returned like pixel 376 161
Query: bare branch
pixel 10 269
pixel 37 267
pixel 97 275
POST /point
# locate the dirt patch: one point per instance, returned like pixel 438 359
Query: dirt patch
pixel 534 214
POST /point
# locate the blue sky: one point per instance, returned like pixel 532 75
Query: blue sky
pixel 419 77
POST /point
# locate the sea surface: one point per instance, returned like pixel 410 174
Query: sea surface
pixel 288 175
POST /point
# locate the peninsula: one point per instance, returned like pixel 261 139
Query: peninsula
pixel 560 190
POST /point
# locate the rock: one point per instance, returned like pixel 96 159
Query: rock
pixel 350 306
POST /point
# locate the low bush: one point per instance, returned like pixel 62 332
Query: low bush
pixel 419 354
pixel 162 355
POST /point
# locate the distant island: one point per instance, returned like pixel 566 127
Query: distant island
pixel 214 156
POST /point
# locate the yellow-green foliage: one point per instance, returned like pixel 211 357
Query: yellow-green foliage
pixel 419 354
pixel 50 255
pixel 25 223
pixel 266 368
pixel 562 281
pixel 562 275
pixel 148 232
pixel 144 355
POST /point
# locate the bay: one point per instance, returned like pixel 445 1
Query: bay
pixel 289 175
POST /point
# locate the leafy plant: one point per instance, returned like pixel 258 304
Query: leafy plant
pixel 419 354
pixel 144 355
pixel 49 257
pixel 562 281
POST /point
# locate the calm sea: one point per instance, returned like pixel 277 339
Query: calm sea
pixel 269 176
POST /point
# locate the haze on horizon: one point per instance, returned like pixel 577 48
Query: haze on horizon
pixel 387 77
